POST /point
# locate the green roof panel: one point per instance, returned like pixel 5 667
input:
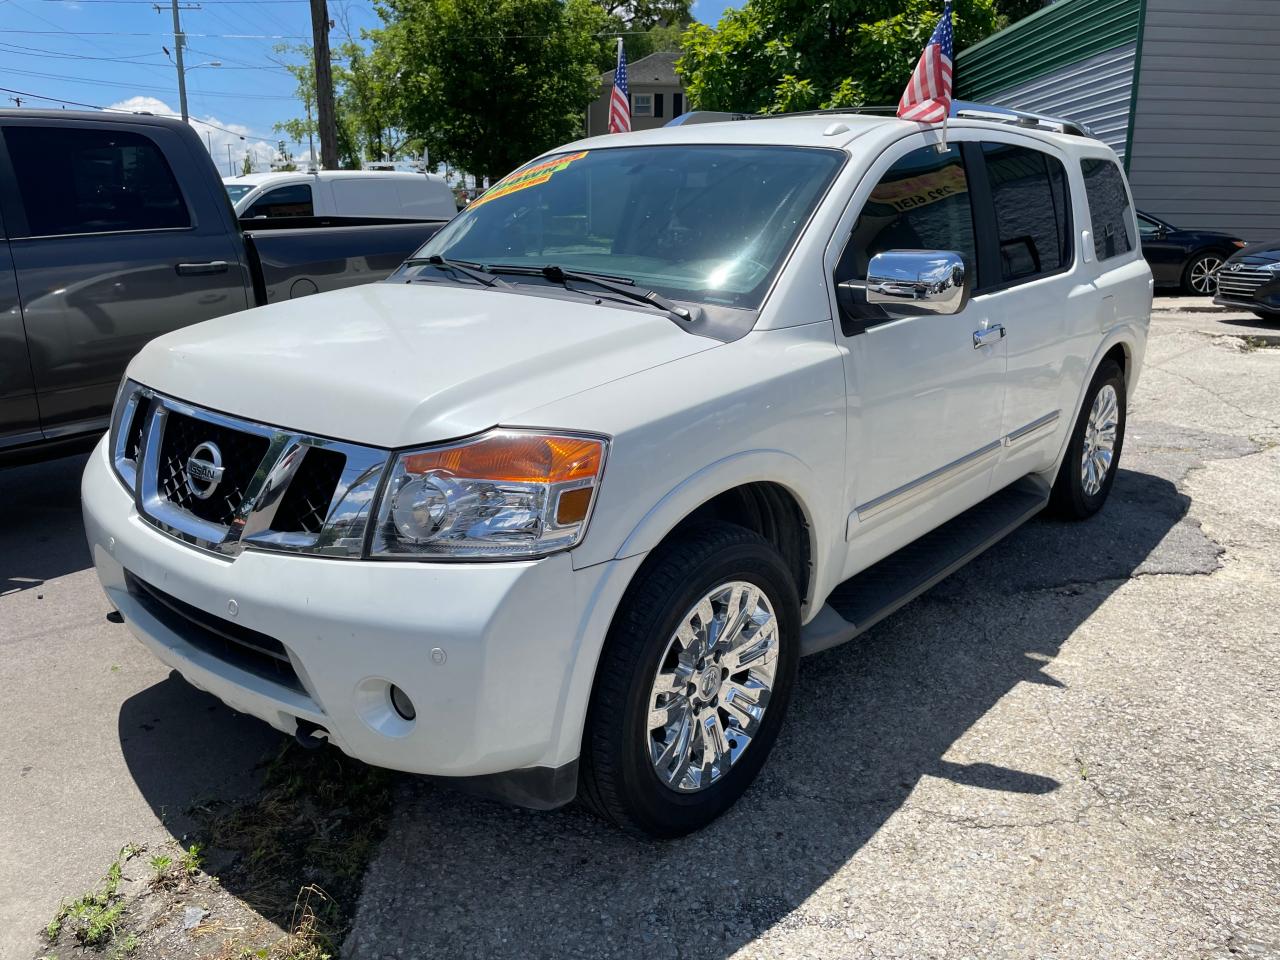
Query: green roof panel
pixel 1064 33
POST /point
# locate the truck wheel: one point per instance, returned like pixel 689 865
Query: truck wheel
pixel 1093 455
pixel 693 682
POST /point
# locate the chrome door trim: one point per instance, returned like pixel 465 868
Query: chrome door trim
pixel 1032 428
pixel 928 481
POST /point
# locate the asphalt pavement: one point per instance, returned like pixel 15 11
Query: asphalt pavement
pixel 1066 749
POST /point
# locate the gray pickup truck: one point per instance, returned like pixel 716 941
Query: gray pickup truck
pixel 116 228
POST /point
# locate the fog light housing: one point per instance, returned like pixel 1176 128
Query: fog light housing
pixel 401 703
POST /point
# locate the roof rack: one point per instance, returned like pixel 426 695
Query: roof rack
pixel 960 109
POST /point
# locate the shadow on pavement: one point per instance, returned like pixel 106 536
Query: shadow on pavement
pixel 43 515
pixel 184 748
pixel 460 876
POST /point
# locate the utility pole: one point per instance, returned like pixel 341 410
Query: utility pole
pixel 17 101
pixel 311 143
pixel 179 41
pixel 324 84
pixel 231 170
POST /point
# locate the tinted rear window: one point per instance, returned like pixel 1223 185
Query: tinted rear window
pixel 93 181
pixel 1029 189
pixel 1108 208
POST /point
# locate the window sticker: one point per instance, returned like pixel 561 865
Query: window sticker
pixel 922 190
pixel 529 177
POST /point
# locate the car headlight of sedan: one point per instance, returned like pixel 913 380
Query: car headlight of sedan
pixel 505 494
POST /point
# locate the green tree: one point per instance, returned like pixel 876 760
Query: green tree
pixel 781 55
pixel 487 84
pixel 366 103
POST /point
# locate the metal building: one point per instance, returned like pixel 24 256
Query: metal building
pixel 1187 92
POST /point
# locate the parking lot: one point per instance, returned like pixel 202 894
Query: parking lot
pixel 1067 749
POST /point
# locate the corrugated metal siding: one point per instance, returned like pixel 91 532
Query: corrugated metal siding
pixel 1206 135
pixel 1095 92
pixel 1061 34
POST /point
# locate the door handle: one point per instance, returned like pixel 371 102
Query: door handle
pixel 990 335
pixel 195 269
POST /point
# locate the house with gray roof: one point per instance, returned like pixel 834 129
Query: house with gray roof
pixel 656 94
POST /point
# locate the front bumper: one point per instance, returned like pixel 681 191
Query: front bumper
pixel 492 655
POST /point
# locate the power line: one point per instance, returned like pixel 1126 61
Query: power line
pixel 260 36
pixel 26 51
pixel 122 33
pixel 94 106
pixel 138 86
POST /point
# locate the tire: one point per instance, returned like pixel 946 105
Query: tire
pixel 1266 315
pixel 619 775
pixel 1195 277
pixel 1075 496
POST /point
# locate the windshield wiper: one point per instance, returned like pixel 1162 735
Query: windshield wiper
pixel 557 274
pixel 473 270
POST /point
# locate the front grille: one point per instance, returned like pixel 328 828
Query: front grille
pixel 242 455
pixel 136 427
pixel 226 640
pixel 1243 283
pixel 306 502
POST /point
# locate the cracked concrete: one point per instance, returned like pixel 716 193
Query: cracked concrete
pixel 1067 749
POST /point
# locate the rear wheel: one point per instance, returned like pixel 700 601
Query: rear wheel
pixel 693 682
pixel 1201 277
pixel 1093 453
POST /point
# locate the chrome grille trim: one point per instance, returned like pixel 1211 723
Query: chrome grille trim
pixel 343 532
pixel 1244 282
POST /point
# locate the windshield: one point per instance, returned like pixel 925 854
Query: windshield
pixel 709 223
pixel 237 190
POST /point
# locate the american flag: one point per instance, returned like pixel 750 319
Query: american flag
pixel 620 99
pixel 928 94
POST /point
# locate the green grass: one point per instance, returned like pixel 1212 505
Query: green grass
pixel 92 919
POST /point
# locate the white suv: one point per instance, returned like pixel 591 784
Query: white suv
pixel 559 506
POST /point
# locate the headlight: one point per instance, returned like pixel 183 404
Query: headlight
pixel 509 493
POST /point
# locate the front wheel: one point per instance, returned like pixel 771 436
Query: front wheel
pixel 693 682
pixel 1201 275
pixel 1093 453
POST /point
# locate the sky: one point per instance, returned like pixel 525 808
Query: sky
pixel 111 53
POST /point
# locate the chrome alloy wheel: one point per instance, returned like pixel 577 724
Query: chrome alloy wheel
pixel 1204 274
pixel 1099 439
pixel 712 686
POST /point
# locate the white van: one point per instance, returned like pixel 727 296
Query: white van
pixel 341 193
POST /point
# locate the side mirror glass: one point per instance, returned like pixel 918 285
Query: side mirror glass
pixel 912 283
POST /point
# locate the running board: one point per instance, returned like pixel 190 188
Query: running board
pixel 867 598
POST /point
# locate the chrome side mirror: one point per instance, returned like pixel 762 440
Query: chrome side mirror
pixel 912 283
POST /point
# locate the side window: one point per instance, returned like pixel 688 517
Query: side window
pixel 1146 228
pixel 921 203
pixel 1108 208
pixel 293 200
pixel 93 181
pixel 1033 222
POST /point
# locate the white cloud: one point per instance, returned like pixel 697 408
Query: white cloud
pixel 213 133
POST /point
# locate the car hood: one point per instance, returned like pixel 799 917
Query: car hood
pixel 1267 249
pixel 394 364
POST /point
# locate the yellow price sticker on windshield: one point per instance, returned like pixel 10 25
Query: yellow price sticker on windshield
pixel 529 177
